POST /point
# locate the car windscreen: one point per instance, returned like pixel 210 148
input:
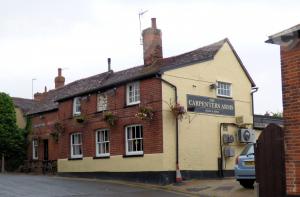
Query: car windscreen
pixel 249 149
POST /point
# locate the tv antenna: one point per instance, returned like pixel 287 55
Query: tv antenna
pixel 141 13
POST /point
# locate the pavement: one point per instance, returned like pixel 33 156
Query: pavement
pixel 226 187
pixel 15 185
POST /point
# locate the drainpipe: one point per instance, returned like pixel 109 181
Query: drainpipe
pixel 254 89
pixel 178 174
pixel 2 165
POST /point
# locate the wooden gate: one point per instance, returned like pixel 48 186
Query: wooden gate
pixel 269 162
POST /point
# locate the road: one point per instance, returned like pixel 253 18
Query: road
pixel 15 185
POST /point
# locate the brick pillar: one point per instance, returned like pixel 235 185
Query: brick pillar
pixel 290 69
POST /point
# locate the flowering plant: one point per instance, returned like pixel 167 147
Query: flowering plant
pixel 110 118
pixel 145 113
pixel 80 118
pixel 178 110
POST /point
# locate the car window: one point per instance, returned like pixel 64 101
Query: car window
pixel 249 149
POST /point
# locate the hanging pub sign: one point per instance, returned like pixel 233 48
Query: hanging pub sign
pixel 202 104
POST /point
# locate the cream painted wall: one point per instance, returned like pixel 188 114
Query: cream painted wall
pixel 21 121
pixel 150 162
pixel 199 133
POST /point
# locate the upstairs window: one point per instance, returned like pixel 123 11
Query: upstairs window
pixel 35 146
pixel 133 93
pixel 102 143
pixel 101 102
pixel 134 140
pixel 76 106
pixel 76 145
pixel 224 89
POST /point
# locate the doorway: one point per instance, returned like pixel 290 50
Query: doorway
pixel 46 150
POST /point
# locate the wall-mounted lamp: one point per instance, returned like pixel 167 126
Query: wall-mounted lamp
pixel 213 86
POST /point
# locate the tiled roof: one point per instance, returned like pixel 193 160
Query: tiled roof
pixel 109 79
pixel 24 104
pixel 201 54
pixel 262 121
pixel 285 35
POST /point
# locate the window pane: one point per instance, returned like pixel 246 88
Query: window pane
pixel 134 138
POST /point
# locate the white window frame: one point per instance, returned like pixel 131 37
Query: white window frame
pixel 76 102
pixel 102 102
pixel 35 149
pixel 219 84
pixel 105 142
pixel 134 139
pixel 135 91
pixel 79 144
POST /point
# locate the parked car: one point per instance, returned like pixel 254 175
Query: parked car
pixel 244 169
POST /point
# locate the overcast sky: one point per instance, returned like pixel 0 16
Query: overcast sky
pixel 38 36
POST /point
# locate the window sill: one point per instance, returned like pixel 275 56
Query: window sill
pixel 131 105
pixel 101 157
pixel 225 97
pixel 76 114
pixel 75 158
pixel 139 155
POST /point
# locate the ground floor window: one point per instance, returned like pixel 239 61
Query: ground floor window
pixel 102 142
pixel 35 146
pixel 134 140
pixel 76 145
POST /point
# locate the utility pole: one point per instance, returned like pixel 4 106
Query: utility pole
pixel 32 87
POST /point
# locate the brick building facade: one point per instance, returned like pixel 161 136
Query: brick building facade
pixel 147 140
pixel 290 71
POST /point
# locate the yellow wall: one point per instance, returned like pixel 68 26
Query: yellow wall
pixel 199 132
pixel 21 121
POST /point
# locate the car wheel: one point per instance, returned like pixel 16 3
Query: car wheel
pixel 248 184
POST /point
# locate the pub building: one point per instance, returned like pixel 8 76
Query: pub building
pixel 171 118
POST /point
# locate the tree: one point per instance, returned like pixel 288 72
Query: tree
pixel 274 114
pixel 12 141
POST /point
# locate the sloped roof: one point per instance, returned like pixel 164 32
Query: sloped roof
pixel 24 104
pixel 131 74
pixel 110 79
pixel 285 35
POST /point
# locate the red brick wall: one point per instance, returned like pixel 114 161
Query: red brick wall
pixel 152 130
pixel 42 126
pixel 290 61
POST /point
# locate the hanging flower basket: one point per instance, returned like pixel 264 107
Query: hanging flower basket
pixel 55 135
pixel 110 118
pixel 80 118
pixel 145 113
pixel 58 129
pixel 178 110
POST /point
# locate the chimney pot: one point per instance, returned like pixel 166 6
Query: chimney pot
pixel 109 64
pixel 153 20
pixel 59 72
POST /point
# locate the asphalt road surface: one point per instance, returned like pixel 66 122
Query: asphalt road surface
pixel 15 185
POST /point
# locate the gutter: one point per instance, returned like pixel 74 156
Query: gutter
pixel 177 129
pixel 254 89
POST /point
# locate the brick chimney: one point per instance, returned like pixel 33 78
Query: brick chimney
pixel 152 43
pixel 289 41
pixel 59 80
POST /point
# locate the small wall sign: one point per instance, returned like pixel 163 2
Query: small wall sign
pixel 202 104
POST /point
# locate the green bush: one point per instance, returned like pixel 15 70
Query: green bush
pixel 12 139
